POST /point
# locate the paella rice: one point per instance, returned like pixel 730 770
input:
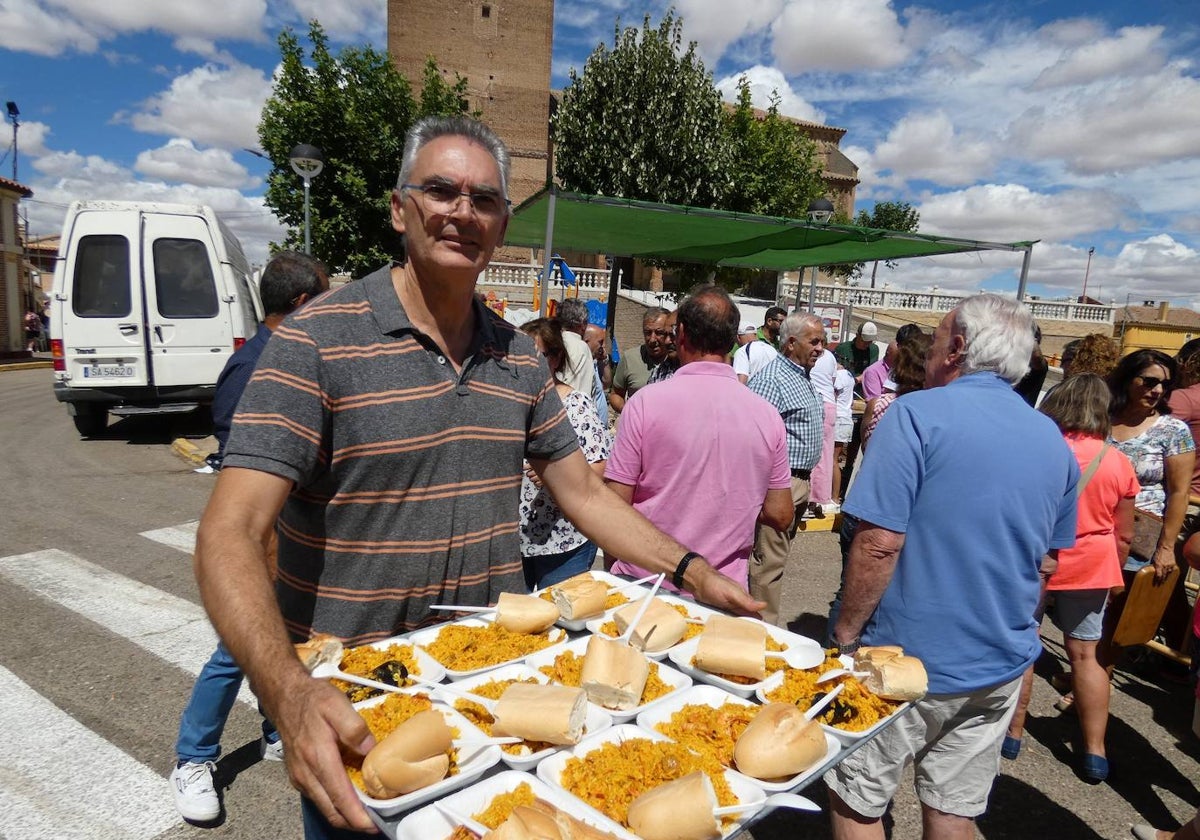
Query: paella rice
pixel 464 647
pixel 709 730
pixel 854 710
pixel 383 718
pixel 363 662
pixel 567 669
pixel 502 806
pixel 610 777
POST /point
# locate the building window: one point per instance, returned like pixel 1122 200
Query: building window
pixel 485 11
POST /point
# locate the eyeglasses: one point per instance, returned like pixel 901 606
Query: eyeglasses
pixel 1152 382
pixel 443 199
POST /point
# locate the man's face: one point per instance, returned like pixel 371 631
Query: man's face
pixel 945 354
pixel 772 325
pixel 807 347
pixel 669 341
pixel 655 333
pixel 594 336
pixel 459 238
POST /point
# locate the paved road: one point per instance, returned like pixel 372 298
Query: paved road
pixel 103 634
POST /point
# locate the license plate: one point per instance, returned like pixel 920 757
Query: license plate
pixel 107 371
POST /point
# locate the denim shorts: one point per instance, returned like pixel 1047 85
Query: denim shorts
pixel 843 430
pixel 1079 613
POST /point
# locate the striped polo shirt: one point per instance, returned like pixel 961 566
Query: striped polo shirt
pixel 406 475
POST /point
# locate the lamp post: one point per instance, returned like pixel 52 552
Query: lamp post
pixel 307 162
pixel 14 114
pixel 820 211
pixel 1086 271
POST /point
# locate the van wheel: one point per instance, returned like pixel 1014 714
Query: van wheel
pixel 90 420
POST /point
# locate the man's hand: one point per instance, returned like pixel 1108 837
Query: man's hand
pixel 1164 562
pixel 317 722
pixel 713 588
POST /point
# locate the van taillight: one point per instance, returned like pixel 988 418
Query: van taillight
pixel 237 344
pixel 56 352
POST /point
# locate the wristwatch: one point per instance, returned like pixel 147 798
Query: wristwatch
pixel 846 648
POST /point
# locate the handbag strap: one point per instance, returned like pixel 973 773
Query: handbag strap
pixel 1091 470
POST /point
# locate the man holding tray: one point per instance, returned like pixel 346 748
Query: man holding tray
pixel 383 437
pixel 965 491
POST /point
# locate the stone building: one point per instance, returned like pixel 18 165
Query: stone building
pixel 15 294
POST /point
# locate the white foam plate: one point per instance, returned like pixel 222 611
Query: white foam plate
pixel 682 654
pixel 427 636
pixel 431 823
pixel 669 675
pixel 472 763
pixel 710 695
pixel 431 669
pixel 550 770
pixel 694 611
pixel 598 719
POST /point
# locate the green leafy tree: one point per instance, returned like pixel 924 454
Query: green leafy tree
pixel 775 169
pixel 643 120
pixel 356 107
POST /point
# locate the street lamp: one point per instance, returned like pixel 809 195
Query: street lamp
pixel 1087 271
pixel 307 162
pixel 820 211
pixel 14 114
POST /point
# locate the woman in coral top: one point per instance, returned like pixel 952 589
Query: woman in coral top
pixel 1087 571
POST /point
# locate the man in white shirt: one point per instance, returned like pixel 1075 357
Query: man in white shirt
pixel 753 355
pixel 843 424
pixel 822 375
pixel 580 370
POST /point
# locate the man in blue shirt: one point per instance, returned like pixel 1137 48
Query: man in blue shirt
pixel 289 281
pixel 965 491
pixel 784 382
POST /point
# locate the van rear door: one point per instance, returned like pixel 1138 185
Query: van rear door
pixel 190 329
pixel 101 315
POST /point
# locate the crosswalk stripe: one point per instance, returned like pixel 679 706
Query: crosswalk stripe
pixel 51 761
pixel 182 537
pixel 171 628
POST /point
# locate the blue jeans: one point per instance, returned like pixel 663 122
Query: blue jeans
pixel 203 719
pixel 547 569
pixel 316 827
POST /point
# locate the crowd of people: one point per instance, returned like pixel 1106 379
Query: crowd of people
pixel 399 445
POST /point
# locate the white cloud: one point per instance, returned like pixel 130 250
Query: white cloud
pixel 28 26
pixel 844 36
pixel 346 20
pixel 763 81
pixel 180 161
pixel 211 19
pixel 715 24
pixel 1014 212
pixel 215 106
pixel 31 138
pixel 1157 266
pixel 1134 51
pixel 929 147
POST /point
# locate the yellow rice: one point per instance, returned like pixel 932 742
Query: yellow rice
pixel 361 661
pixel 800 688
pixel 708 730
pixel 469 647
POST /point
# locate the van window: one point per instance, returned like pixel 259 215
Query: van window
pixel 101 288
pixel 183 279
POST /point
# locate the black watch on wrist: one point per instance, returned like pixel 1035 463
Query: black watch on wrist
pixel 677 578
pixel 846 648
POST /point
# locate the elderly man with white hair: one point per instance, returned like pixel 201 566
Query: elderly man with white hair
pixel 965 492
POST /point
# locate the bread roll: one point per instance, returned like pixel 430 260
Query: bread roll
pixel 414 756
pixel 580 597
pixel 778 743
pixel 320 649
pixel 678 810
pixel 733 646
pixel 901 678
pixel 874 655
pixel 551 713
pixel 660 628
pixel 525 613
pixel 614 674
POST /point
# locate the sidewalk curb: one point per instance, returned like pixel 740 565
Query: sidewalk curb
pixel 33 365
pixel 188 451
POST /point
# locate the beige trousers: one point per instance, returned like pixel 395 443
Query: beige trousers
pixel 770 555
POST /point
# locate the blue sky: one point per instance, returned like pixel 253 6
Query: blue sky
pixel 1076 124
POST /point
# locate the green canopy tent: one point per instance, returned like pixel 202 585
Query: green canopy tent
pixel 642 229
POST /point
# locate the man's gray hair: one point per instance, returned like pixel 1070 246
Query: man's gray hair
pixel 653 314
pixel 796 323
pixel 573 313
pixel 431 128
pixel 998 332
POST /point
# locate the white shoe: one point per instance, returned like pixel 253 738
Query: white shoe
pixel 270 751
pixel 195 796
pixel 831 508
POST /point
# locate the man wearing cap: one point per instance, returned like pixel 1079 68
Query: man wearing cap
pixel 861 352
pixel 772 321
pixel 753 355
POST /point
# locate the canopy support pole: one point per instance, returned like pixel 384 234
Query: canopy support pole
pixel 1024 273
pixel 545 278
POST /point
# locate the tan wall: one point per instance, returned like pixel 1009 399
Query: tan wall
pixel 1166 338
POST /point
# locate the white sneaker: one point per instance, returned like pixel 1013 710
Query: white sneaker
pixel 831 508
pixel 195 796
pixel 270 751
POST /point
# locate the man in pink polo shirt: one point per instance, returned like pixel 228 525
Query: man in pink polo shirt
pixel 700 455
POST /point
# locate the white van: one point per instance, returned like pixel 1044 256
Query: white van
pixel 148 302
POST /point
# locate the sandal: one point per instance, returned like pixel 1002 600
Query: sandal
pixel 1065 704
pixel 1011 748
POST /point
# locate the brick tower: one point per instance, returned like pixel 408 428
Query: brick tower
pixel 502 48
